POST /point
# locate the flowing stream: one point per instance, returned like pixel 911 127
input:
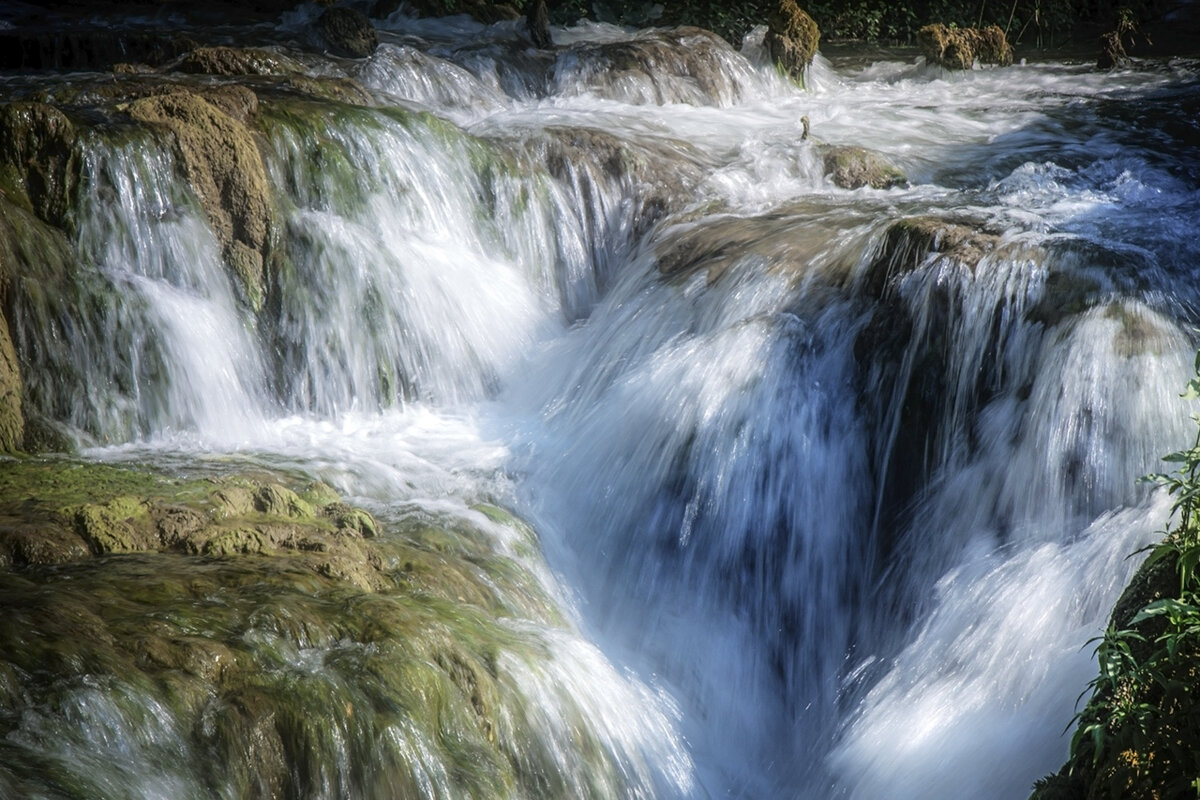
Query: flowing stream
pixel 831 485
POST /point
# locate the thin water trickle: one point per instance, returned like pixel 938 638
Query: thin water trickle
pixel 828 486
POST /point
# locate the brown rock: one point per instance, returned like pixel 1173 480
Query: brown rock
pixel 222 164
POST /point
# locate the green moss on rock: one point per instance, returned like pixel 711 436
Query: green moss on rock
pixel 960 48
pixel 792 39
pixel 38 159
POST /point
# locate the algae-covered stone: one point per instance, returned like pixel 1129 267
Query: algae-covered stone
pixel 351 520
pixel 347 32
pixel 118 526
pixel 222 164
pixel 38 159
pixel 853 167
pixel 792 39
pixel 280 501
pixel 960 48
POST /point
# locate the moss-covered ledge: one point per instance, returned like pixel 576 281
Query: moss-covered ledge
pixel 292 644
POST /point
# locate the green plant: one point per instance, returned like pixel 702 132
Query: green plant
pixel 1140 731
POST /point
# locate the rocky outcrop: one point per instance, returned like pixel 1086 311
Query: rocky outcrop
pixel 852 167
pixel 347 32
pixel 38 159
pixel 792 39
pixel 297 653
pixel 222 164
pixel 960 48
pixel 236 61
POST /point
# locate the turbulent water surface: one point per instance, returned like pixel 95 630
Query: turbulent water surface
pixel 832 485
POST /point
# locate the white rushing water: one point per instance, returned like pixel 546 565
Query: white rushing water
pixel 830 518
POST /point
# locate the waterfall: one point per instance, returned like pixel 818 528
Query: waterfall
pixel 747 482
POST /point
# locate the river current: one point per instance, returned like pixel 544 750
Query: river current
pixel 833 485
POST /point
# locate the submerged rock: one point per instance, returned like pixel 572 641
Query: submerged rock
pixel 222 164
pixel 960 48
pixel 792 39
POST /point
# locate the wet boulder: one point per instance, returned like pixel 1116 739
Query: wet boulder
pixel 852 167
pixel 236 61
pixel 960 48
pixel 792 39
pixel 221 162
pixel 39 161
pixel 347 32
pixel 12 416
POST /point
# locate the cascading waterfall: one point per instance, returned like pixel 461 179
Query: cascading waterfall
pixel 827 488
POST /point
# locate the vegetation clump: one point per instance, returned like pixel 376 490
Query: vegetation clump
pixel 1137 736
pixel 1112 43
pixel 960 48
pixel 792 39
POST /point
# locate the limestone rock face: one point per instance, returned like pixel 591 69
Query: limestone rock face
pixel 792 39
pixel 221 162
pixel 960 48
pixel 347 32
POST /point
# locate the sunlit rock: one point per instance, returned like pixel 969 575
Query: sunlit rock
pixel 792 39
pixel 960 48
pixel 221 162
pixel 852 167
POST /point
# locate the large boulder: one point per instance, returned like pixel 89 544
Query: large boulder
pixel 792 39
pixel 38 159
pixel 222 164
pixel 960 48
pixel 347 32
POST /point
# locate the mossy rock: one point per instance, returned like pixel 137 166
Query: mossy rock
pixel 960 48
pixel 853 167
pixel 347 32
pixel 39 162
pixel 294 671
pixel 221 162
pixel 230 61
pixel 792 39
